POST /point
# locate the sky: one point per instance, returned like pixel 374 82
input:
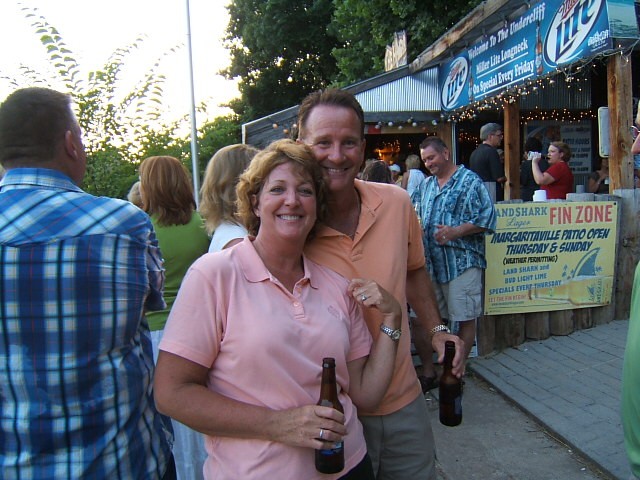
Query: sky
pixel 94 29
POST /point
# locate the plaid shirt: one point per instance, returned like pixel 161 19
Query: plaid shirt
pixel 76 365
pixel 463 199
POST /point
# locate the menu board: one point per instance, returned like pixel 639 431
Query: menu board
pixel 548 256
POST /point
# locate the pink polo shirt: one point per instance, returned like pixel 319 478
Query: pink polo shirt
pixel 264 346
pixel 387 243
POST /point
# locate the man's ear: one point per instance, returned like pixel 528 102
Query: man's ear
pixel 363 148
pixel 70 145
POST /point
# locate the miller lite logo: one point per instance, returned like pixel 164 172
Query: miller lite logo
pixel 454 82
pixel 569 28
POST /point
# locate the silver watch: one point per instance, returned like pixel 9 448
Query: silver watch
pixel 439 328
pixel 393 334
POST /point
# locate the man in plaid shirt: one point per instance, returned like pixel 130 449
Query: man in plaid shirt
pixel 76 274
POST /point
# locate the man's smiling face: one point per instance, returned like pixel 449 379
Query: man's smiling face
pixel 334 135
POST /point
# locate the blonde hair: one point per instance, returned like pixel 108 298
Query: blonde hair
pixel 413 161
pixel 278 153
pixel 134 195
pixel 218 192
pixel 166 190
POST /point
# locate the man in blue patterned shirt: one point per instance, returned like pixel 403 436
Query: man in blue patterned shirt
pixel 455 211
pixel 76 273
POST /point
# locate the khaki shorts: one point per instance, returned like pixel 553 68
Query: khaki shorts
pixel 460 300
pixel 401 444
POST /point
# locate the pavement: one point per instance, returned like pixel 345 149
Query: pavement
pixel 569 390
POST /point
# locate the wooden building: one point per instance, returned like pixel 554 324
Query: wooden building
pixel 532 66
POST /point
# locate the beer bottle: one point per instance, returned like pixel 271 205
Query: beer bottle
pixel 450 390
pixel 330 459
pixel 538 56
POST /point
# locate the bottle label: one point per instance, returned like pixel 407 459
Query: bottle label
pixel 457 405
pixel 336 447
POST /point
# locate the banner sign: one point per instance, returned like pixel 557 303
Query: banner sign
pixel 550 34
pixel 548 256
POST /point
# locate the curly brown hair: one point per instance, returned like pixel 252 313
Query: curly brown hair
pixel 253 179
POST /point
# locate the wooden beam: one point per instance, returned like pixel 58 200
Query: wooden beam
pixel 619 99
pixel 457 32
pixel 512 152
pixel 444 130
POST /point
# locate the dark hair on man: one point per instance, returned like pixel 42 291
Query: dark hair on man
pixel 533 144
pixel 434 142
pixel 33 122
pixel 378 172
pixel 333 97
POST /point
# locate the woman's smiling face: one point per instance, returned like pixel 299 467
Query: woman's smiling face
pixel 286 203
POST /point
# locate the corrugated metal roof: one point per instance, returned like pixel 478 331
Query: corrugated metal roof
pixel 562 94
pixel 394 93
pixel 411 93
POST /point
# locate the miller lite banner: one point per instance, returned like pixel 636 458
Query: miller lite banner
pixel 549 35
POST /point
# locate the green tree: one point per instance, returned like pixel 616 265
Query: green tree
pixel 366 26
pixel 281 50
pixel 214 135
pixel 115 124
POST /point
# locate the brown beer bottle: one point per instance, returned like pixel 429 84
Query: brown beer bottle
pixel 331 458
pixel 450 390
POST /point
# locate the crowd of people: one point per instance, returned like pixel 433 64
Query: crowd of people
pixel 238 323
pixel 149 339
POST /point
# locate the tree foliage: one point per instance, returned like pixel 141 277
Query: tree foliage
pixel 367 26
pixel 281 50
pixel 120 127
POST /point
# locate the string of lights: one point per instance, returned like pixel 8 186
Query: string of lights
pixel 574 76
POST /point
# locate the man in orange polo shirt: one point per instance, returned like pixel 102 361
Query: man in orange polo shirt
pixel 372 231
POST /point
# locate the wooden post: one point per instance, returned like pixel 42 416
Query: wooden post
pixel 561 322
pixel 628 252
pixel 512 153
pixel 486 334
pixel 583 318
pixel 509 330
pixel 537 325
pixel 445 133
pixel 606 313
pixel 619 99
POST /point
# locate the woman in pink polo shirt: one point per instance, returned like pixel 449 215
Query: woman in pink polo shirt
pixel 242 351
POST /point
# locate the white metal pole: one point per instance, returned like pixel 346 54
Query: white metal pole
pixel 194 130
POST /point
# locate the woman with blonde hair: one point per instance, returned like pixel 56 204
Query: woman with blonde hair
pixel 167 196
pixel 414 176
pixel 218 194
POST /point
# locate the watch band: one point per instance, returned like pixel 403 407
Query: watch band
pixel 393 334
pixel 439 328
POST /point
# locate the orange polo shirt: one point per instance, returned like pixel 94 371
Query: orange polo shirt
pixel 387 243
